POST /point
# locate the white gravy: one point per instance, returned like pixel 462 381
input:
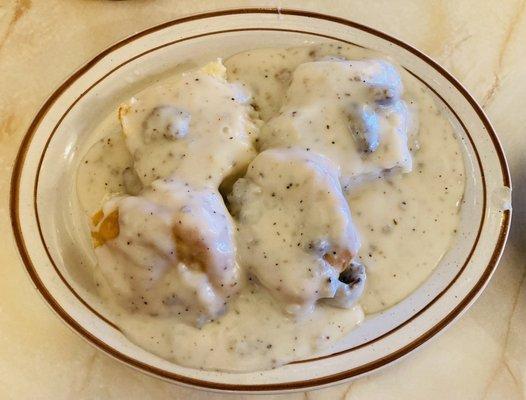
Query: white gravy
pixel 396 217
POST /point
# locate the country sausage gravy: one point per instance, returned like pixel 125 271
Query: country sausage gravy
pixel 251 212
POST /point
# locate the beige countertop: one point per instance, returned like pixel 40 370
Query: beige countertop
pixel 483 43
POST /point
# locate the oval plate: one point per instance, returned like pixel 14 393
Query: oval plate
pixel 42 183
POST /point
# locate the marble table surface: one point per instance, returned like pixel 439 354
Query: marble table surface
pixel 483 43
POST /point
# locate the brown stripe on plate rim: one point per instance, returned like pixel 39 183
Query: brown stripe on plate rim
pixel 385 334
pixel 290 385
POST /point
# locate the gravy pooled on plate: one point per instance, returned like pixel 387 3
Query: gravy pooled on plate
pixel 246 215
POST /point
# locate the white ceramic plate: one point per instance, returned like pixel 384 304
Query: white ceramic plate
pixel 60 133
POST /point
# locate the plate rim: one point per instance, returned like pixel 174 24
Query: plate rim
pixel 284 386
